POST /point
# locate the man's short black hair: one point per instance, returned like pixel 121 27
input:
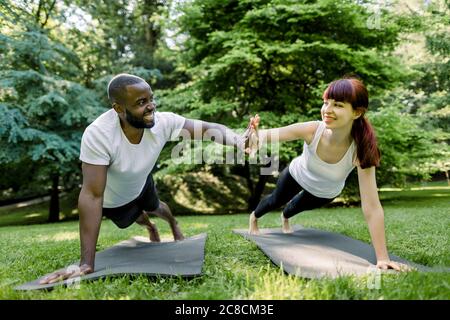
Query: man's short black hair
pixel 117 85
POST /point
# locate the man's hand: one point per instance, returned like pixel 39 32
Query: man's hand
pixel 251 139
pixel 397 266
pixel 66 273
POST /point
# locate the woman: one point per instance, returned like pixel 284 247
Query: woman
pixel 332 148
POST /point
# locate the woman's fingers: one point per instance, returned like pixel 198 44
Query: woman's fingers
pixel 397 266
pixel 255 121
pixel 250 136
pixel 404 267
pixel 394 266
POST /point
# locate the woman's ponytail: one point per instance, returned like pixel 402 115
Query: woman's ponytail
pixel 366 143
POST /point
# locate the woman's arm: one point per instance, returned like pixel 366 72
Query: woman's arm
pixel 301 130
pixel 374 214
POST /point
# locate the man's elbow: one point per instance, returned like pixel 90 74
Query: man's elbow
pixel 89 195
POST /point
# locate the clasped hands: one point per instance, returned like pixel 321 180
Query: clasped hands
pixel 250 136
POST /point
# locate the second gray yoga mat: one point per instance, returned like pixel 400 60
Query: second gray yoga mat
pixel 138 256
pixel 312 253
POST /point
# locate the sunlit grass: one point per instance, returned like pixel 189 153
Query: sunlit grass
pixel 417 224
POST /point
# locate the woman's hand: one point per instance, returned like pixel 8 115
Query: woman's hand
pixel 388 264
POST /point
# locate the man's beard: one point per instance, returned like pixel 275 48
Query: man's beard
pixel 138 123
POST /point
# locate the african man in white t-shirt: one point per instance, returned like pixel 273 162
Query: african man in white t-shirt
pixel 118 152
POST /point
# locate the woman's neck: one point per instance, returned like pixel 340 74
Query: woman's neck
pixel 339 136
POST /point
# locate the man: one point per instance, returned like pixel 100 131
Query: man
pixel 118 152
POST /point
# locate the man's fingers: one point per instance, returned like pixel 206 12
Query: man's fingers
pixel 57 279
pixel 66 274
pixel 78 273
pixel 399 266
pixel 250 135
pixel 250 123
pixel 49 278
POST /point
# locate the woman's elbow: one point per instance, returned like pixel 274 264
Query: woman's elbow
pixel 372 210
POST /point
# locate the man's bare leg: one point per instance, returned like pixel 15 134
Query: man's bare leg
pixel 164 213
pixel 143 220
pixel 253 224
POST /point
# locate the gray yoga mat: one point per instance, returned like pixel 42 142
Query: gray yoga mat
pixel 139 256
pixel 312 253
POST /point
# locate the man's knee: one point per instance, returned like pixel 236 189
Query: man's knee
pixel 142 219
pixel 164 206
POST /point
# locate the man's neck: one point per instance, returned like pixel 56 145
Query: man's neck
pixel 134 135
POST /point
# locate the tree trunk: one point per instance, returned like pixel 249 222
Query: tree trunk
pixel 53 214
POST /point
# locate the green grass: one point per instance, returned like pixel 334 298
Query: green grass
pixel 417 228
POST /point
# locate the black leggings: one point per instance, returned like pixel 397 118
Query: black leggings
pixel 288 189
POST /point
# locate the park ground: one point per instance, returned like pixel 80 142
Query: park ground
pixel 417 228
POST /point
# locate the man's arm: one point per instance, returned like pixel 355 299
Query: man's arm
pixel 200 130
pixel 90 204
pixel 90 211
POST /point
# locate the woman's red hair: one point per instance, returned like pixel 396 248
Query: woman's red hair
pixel 353 91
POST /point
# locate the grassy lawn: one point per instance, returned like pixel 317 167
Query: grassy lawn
pixel 417 227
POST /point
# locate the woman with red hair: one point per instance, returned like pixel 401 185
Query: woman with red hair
pixel 344 139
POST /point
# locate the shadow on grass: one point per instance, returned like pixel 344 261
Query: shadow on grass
pixel 407 198
pixel 38 213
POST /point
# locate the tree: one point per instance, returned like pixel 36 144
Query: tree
pixel 274 57
pixel 424 98
pixel 42 108
pixel 121 36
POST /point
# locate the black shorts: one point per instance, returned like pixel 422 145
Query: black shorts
pixel 125 215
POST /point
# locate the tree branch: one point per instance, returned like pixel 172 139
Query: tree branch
pixel 38 13
pixel 47 13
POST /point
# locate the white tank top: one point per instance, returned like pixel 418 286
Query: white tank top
pixel 321 179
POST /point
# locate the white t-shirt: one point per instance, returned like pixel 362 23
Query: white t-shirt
pixel 104 143
pixel 321 179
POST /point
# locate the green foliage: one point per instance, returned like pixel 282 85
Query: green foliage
pixel 42 109
pixel 276 57
pixel 433 83
pixel 410 150
pixel 413 120
pixel 238 58
pixel 121 37
pixel 407 150
pixel 43 116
